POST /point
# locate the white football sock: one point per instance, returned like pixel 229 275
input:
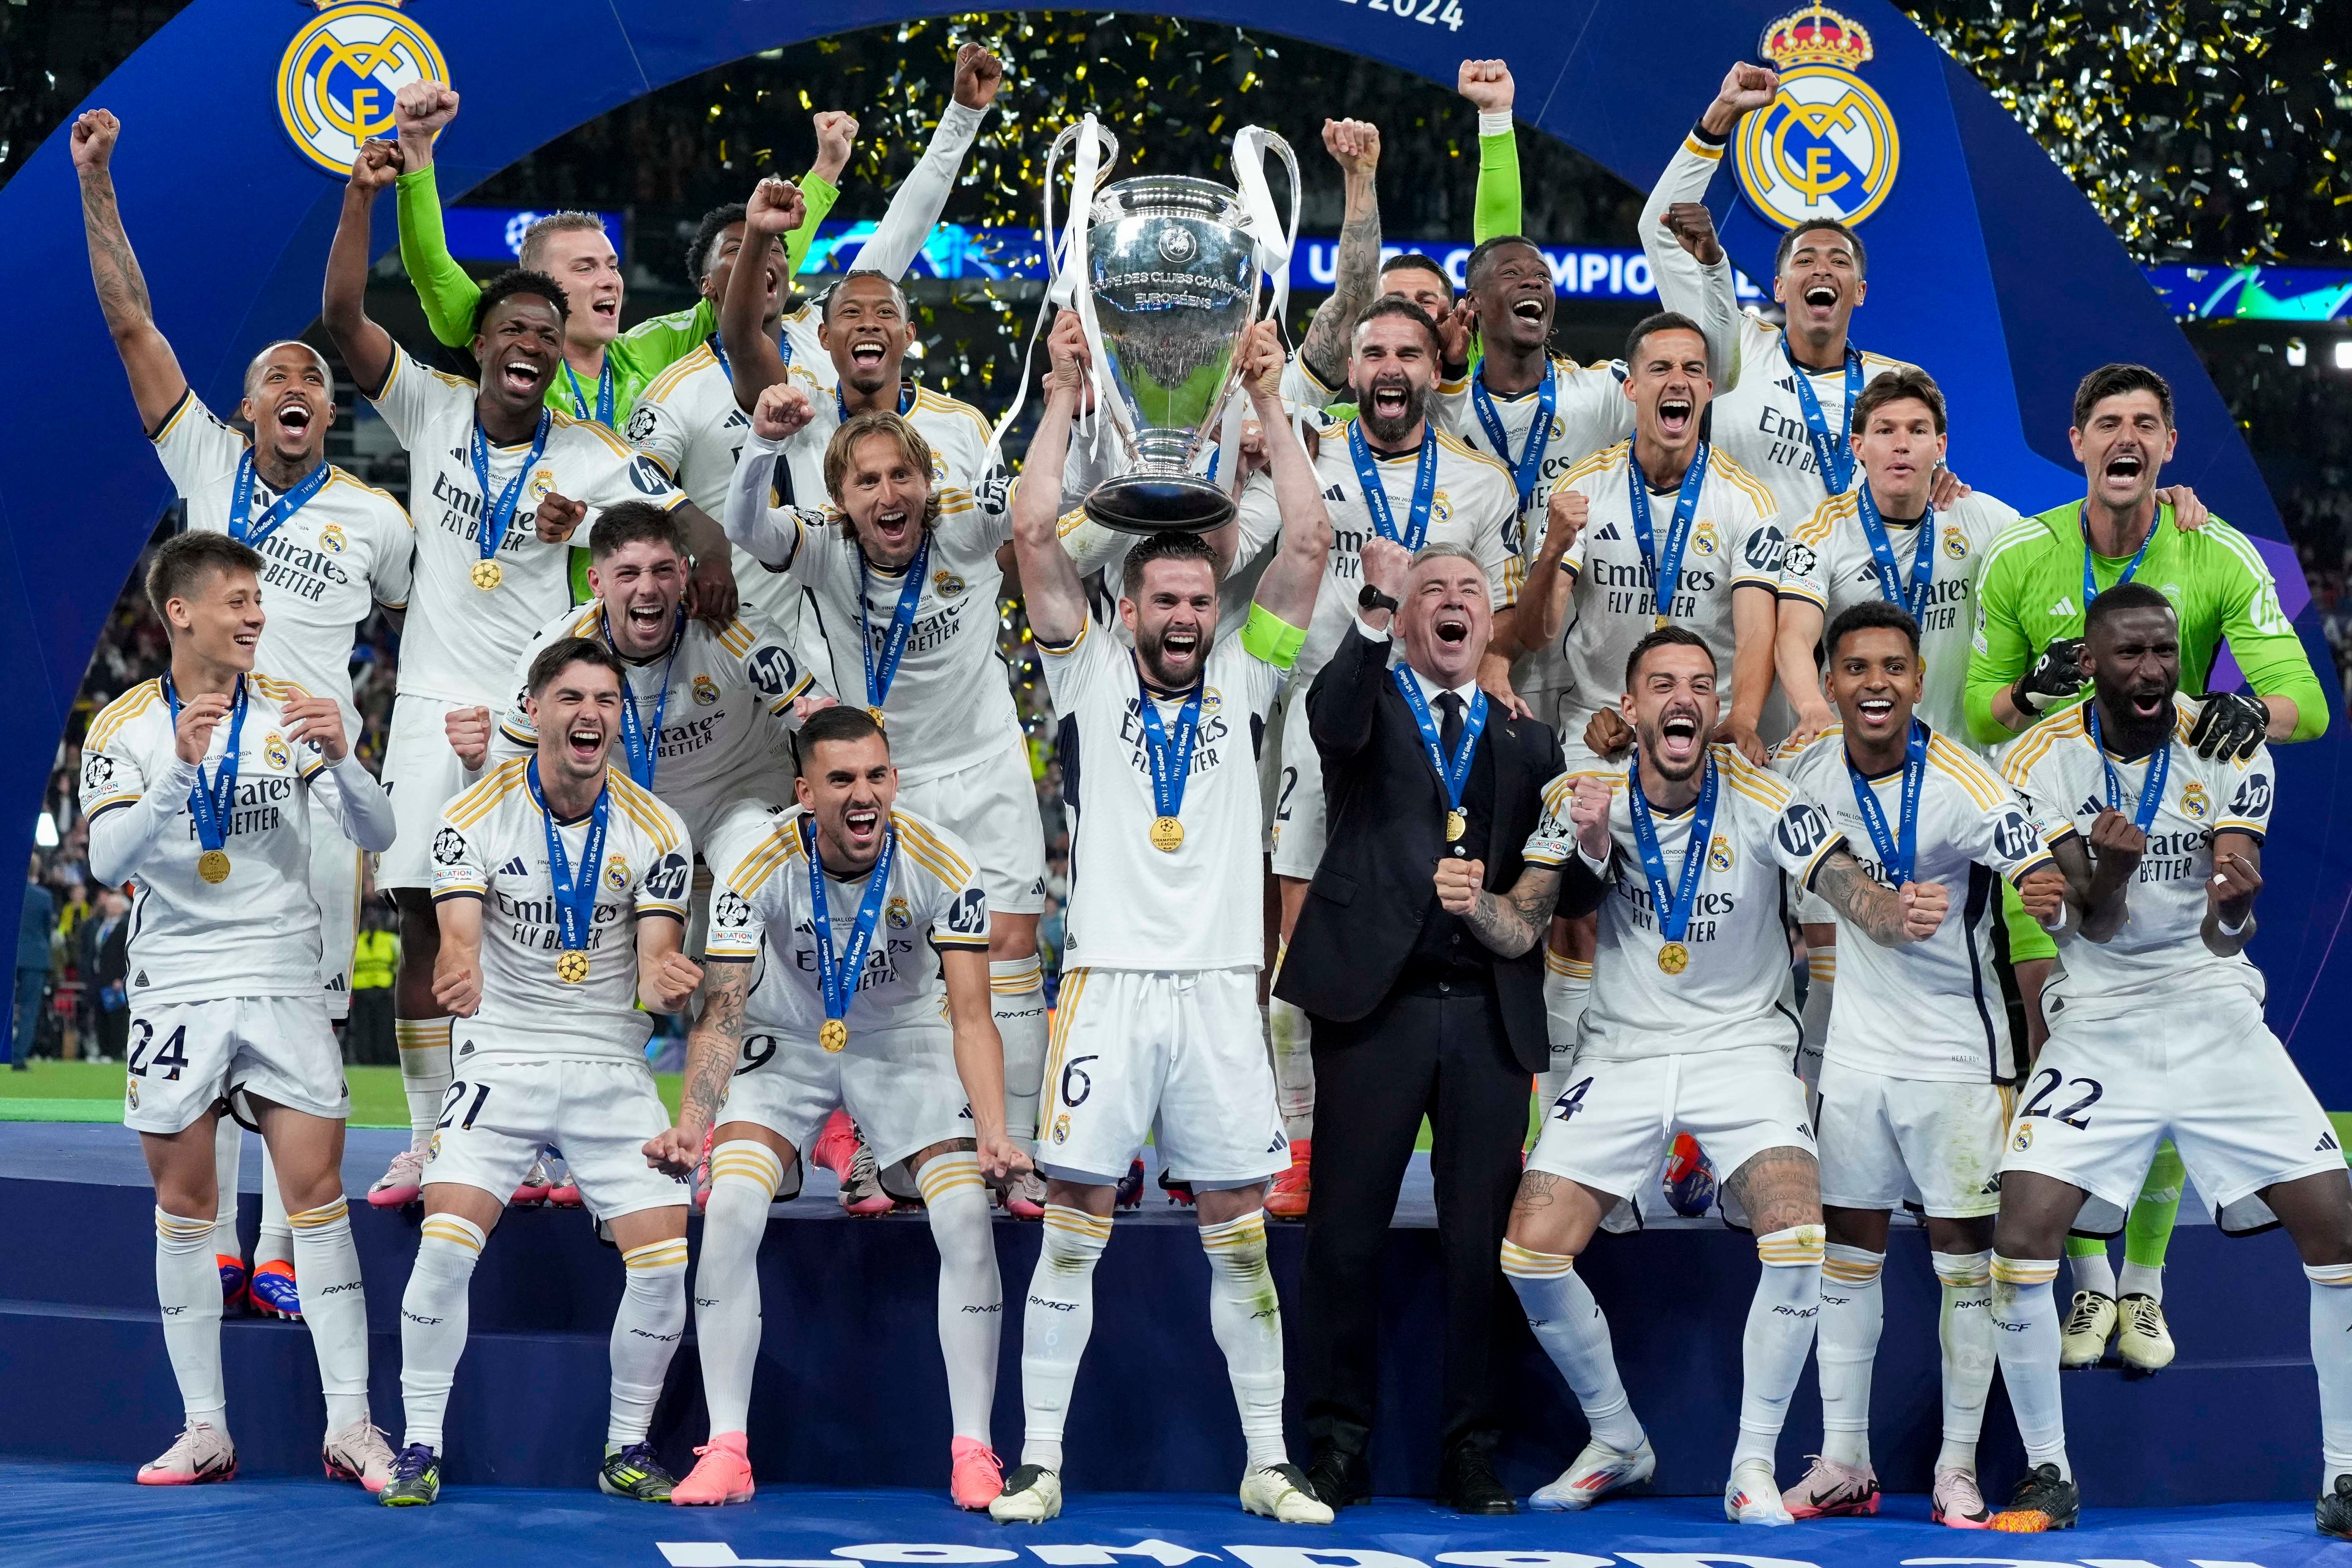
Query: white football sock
pixel 1813 1025
pixel 971 1295
pixel 1854 1311
pixel 1964 1328
pixel 1778 1334
pixel 1017 988
pixel 2138 1279
pixel 1568 1324
pixel 1056 1325
pixel 1246 1317
pixel 434 1310
pixel 276 1243
pixel 334 1303
pixel 645 1332
pixel 2331 1352
pixel 188 1290
pixel 744 1177
pixel 1291 1037
pixel 425 1073
pixel 228 1151
pixel 2025 1312
pixel 2093 1271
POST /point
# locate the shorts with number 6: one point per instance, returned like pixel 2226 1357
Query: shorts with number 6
pixel 184 1058
pixel 2200 1067
pixel 1179 1054
pixel 504 1107
pixel 898 1084
pixel 1885 1140
pixel 1610 1129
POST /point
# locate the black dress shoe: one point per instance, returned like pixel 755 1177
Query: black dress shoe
pixel 1466 1483
pixel 1340 1479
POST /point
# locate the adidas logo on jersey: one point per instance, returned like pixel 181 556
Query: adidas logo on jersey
pixel 1333 494
pixel 2091 805
pixel 1608 531
pixel 2326 1143
pixel 2065 606
pixel 513 867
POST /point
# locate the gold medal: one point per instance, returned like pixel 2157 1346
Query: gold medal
pixel 572 966
pixel 1673 958
pixel 212 866
pixel 834 1035
pixel 1660 623
pixel 875 714
pixel 1457 823
pixel 1167 835
pixel 488 574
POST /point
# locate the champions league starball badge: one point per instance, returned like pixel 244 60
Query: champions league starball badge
pixel 1826 146
pixel 336 80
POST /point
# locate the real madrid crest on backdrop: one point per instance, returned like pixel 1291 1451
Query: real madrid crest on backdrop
pixel 1826 147
pixel 336 83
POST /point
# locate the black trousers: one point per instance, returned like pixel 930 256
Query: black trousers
pixel 1416 1054
pixel 370 1040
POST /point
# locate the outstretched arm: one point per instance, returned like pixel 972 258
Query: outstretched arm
pixel 979 1059
pixel 365 347
pixel 1057 599
pixel 156 384
pixel 1355 146
pixel 1292 578
pixel 1693 274
pixel 775 208
pixel 445 288
pixel 922 195
pixel 1488 85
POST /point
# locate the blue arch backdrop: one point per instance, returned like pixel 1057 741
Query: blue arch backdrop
pixel 1988 267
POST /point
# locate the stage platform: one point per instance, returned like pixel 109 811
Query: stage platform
pixel 850 1391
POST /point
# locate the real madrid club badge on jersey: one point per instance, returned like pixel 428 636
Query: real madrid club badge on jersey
pixel 338 77
pixel 1826 146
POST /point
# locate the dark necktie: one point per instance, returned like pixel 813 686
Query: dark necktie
pixel 1449 734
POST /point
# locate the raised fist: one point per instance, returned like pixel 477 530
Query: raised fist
pixel 1387 564
pixel 376 167
pixel 1486 84
pixel 837 134
pixel 423 108
pixel 783 410
pixel 557 516
pixel 1354 144
pixel 978 75
pixel 93 140
pixel 775 208
pixel 1589 810
pixel 1747 87
pixel 1693 227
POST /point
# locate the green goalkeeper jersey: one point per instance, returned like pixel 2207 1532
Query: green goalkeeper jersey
pixel 2031 594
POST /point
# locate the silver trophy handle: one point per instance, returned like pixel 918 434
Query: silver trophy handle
pixel 1062 143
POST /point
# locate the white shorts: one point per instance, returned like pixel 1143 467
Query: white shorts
pixel 421 774
pixel 335 884
pixel 1885 1140
pixel 1179 1054
pixel 992 806
pixel 731 830
pixel 1302 824
pixel 2202 1069
pixel 504 1108
pixel 1610 1127
pixel 898 1084
pixel 184 1058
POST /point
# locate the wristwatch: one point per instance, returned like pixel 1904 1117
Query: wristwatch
pixel 1368 599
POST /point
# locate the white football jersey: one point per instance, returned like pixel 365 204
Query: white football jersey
pixel 1933 1009
pixel 1731 994
pixel 1830 566
pixel 956 431
pixel 1589 410
pixel 1473 506
pixel 761 911
pixel 1133 905
pixel 257 933
pixel 492 846
pixel 343 551
pixel 2159 953
pixel 461 640
pixel 725 696
pixel 1735 540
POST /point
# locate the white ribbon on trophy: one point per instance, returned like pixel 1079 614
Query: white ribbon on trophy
pixel 1275 242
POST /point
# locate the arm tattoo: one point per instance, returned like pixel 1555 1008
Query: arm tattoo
pixel 1356 278
pixel 717 1040
pixel 1517 921
pixel 122 287
pixel 1849 890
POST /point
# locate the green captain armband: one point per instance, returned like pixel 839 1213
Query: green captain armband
pixel 1268 637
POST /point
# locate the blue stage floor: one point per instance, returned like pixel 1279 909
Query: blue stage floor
pixel 81 1515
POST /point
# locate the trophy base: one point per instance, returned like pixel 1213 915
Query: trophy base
pixel 1159 503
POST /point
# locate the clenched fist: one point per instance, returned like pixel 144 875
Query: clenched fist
pixel 782 412
pixel 1459 883
pixel 557 516
pixel 1925 905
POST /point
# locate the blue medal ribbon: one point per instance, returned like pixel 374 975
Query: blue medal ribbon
pixel 880 674
pixel 214 799
pixel 2151 789
pixel 497 516
pixel 575 891
pixel 241 526
pixel 603 411
pixel 642 743
pixel 1666 569
pixel 1832 456
pixel 718 352
pixel 2090 584
pixel 1898 851
pixel 1453 772
pixel 836 976
pixel 1672 905
pixel 1169 748
pixel 841 401
pixel 1376 500
pixel 1528 467
pixel 1912 595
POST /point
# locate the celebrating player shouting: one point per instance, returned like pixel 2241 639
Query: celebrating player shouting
pixel 846 901
pixel 1156 1030
pixel 197 785
pixel 561 886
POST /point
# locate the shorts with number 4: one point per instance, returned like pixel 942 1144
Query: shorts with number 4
pixel 1179 1054
pixel 1610 1129
pixel 185 1058
pixel 2200 1068
pixel 1885 1140
pixel 506 1107
pixel 898 1084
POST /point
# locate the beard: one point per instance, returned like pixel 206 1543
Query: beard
pixel 1387 429
pixel 2132 732
pixel 1151 650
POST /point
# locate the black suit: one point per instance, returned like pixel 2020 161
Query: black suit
pixel 1412 1015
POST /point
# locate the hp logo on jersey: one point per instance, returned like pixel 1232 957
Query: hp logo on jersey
pixel 336 82
pixel 1826 147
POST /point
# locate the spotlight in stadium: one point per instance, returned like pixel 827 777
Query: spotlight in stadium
pixel 2298 353
pixel 45 831
pixel 2344 353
